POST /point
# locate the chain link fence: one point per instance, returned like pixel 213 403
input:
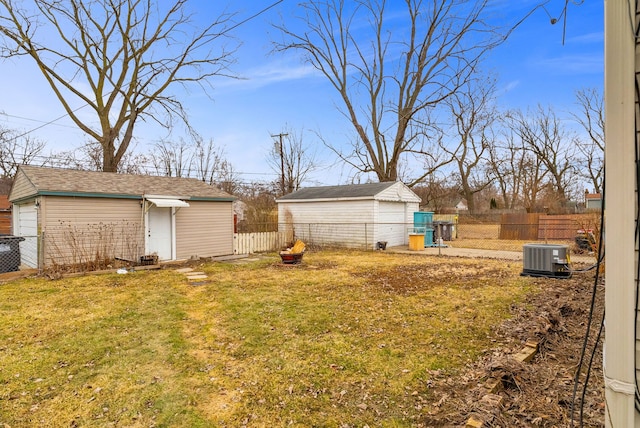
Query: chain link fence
pixel 494 232
pixel 10 260
pixel 71 248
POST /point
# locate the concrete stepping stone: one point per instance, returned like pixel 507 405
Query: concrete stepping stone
pixel 196 277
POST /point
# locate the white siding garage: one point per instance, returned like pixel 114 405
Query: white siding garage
pixel 359 215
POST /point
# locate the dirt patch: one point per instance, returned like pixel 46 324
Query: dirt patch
pixel 409 279
pixel 541 392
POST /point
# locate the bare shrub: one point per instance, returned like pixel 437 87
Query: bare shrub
pixel 74 247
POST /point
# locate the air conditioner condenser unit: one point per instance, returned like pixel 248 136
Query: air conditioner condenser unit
pixel 548 260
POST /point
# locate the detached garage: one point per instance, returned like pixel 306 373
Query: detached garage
pixel 74 217
pixel 357 215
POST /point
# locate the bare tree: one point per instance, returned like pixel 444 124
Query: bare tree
pixel 196 158
pixel 261 211
pixel 89 157
pixel 533 179
pixel 591 119
pixel 437 193
pixel 172 158
pixel 207 160
pixel 209 164
pixel 392 73
pixel 292 159
pixel 472 112
pixel 506 168
pixel 544 136
pixel 519 175
pixel 227 179
pixel 18 150
pixel 129 54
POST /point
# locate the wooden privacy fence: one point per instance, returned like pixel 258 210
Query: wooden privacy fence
pixel 528 227
pixel 5 223
pixel 247 243
pixel 522 226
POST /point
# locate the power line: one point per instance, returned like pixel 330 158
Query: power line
pixel 255 15
pixel 36 120
pixel 51 122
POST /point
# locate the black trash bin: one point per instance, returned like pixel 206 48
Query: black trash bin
pixel 444 227
pixel 10 253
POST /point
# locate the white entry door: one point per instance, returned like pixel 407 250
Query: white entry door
pixel 159 233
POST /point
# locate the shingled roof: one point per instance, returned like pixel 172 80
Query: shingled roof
pixel 350 191
pixel 55 181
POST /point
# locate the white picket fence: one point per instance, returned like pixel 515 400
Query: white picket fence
pixel 247 243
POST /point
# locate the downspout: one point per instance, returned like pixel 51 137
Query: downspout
pixel 143 226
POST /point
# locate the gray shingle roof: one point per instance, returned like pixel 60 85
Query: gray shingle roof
pixel 345 191
pixel 54 180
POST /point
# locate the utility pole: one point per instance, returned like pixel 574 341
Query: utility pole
pixel 281 151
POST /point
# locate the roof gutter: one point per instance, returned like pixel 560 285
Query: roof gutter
pixel 360 198
pixel 117 196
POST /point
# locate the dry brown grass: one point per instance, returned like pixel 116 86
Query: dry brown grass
pixel 478 231
pixel 345 339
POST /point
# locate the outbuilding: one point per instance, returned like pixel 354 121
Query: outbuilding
pixel 70 216
pixel 356 215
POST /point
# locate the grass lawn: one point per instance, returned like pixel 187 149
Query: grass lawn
pixel 345 339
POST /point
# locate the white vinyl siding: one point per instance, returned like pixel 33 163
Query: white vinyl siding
pixel 329 211
pixel 204 229
pixel 341 223
pixel 398 193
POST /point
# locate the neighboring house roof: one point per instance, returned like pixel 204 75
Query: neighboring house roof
pixel 35 181
pixel 461 205
pixel 383 191
pixel 596 196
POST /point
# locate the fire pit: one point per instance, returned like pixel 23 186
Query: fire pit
pixel 294 254
pixel 291 259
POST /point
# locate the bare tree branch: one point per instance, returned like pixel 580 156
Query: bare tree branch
pixel 591 119
pixel 18 151
pixel 129 53
pixel 473 113
pixel 544 136
pixel 390 73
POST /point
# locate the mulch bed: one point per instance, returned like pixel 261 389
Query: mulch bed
pixel 544 391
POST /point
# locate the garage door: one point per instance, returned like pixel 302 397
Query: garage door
pixel 391 226
pixel 26 225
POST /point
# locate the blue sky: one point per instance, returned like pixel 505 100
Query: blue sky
pixel 278 92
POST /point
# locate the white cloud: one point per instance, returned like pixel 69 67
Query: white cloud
pixel 595 37
pixel 267 74
pixel 573 64
pixel 510 86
